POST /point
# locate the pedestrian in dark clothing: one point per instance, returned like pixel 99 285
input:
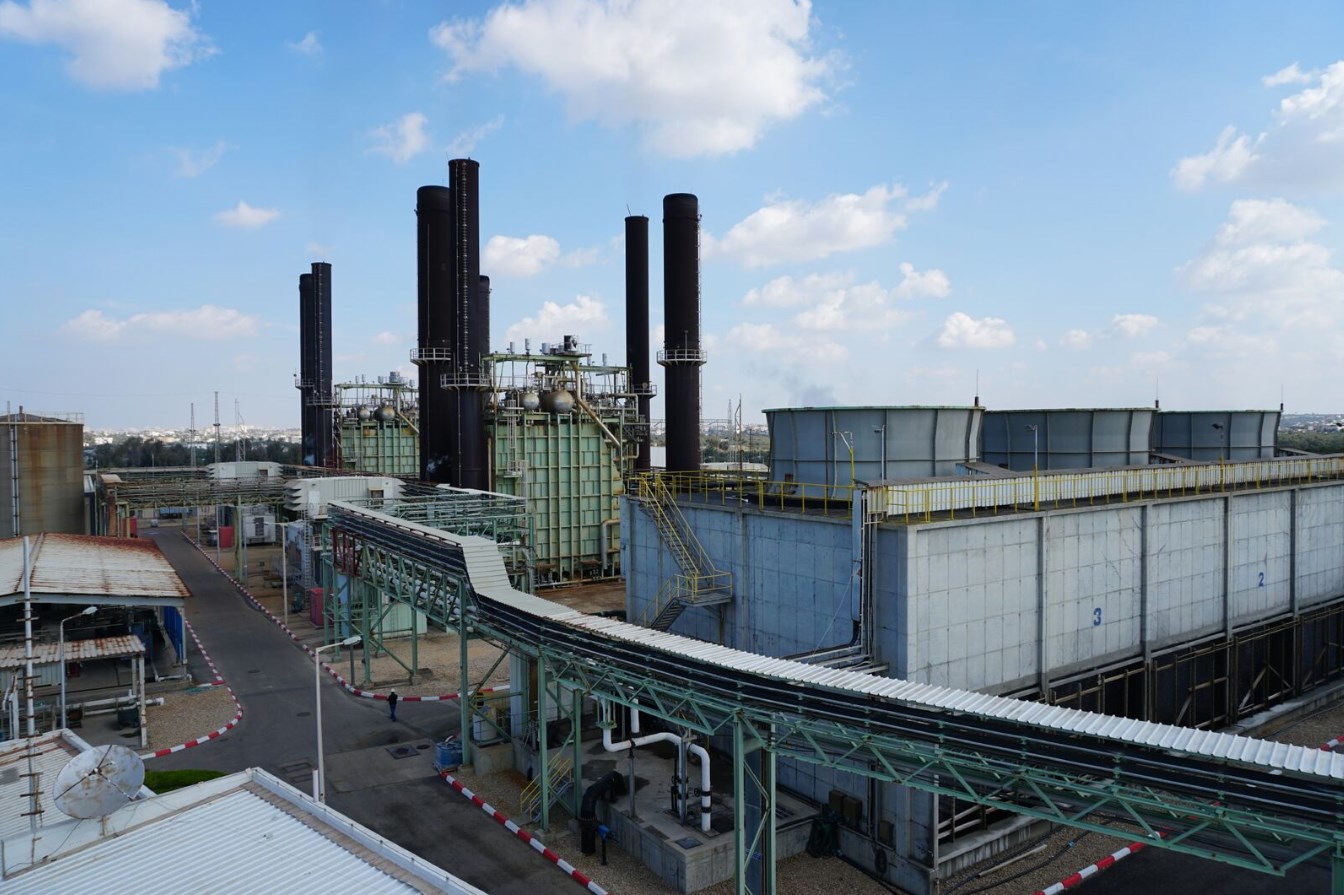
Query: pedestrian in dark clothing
pixel 392 698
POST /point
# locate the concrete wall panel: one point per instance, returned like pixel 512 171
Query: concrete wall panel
pixel 1185 555
pixel 1260 560
pixel 1092 586
pixel 1320 543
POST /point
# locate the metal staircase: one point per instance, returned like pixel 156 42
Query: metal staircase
pixel 699 583
pixel 560 782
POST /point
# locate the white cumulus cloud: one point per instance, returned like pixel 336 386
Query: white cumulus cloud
pixel 1291 74
pixel 961 330
pixel 401 140
pixel 1231 155
pixel 113 44
pixel 1131 326
pixel 466 141
pixel 309 45
pixel 513 256
pixel 192 163
pixel 767 338
pixel 207 323
pixel 835 302
pixel 247 217
pixel 695 79
pixel 1077 339
pixel 1267 271
pixel 932 283
pixel 554 320
pixel 792 230
pixel 1298 146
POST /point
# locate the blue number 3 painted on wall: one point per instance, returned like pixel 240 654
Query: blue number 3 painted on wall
pixel 1096 616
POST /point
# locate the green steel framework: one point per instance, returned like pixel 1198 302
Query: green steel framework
pixel 568 462
pixel 943 759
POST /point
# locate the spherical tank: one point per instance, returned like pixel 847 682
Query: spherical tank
pixel 385 413
pixel 815 445
pixel 1212 434
pixel 1067 438
pixel 558 402
pixel 364 413
pixel 531 400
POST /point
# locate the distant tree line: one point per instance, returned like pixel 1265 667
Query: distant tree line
pixel 134 452
pixel 1315 442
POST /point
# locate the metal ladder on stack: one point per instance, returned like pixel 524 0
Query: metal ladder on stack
pixel 699 582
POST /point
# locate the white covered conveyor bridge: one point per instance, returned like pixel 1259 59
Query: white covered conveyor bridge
pixel 1262 805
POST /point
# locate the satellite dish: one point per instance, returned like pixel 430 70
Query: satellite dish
pixel 97 782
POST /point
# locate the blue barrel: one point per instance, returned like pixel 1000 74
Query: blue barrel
pixel 448 754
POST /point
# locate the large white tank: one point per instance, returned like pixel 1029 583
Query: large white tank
pixel 1067 438
pixel 811 445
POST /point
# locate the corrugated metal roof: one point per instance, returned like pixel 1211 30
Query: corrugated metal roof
pixel 49 753
pixel 75 651
pixel 236 834
pixel 90 566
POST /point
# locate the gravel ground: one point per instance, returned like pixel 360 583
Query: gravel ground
pixel 188 714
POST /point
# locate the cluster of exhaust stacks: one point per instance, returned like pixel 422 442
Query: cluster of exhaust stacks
pixel 453 333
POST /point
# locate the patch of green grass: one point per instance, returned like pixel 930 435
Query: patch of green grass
pixel 166 781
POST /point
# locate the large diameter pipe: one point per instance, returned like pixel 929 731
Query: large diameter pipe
pixel 706 786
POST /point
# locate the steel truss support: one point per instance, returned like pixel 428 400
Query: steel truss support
pixel 1232 812
pixel 754 818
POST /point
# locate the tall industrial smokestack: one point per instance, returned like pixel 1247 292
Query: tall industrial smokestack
pixel 454 330
pixel 324 439
pixel 637 326
pixel 305 381
pixel 681 354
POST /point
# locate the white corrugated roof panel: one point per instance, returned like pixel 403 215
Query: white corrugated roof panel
pixel 230 835
pixel 43 756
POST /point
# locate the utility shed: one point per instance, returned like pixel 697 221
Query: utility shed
pixel 277 840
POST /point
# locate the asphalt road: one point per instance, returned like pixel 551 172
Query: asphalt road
pixel 1158 870
pixel 273 679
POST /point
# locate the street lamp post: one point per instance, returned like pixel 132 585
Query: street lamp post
pixel 320 784
pixel 1035 467
pixel 284 567
pixel 90 610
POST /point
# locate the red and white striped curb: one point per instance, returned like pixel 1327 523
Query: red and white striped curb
pixel 218 682
pixel 1071 881
pixel 1330 745
pixel 279 623
pixel 574 873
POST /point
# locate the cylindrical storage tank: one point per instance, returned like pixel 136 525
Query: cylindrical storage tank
pixel 810 446
pixel 637 325
pixel 1212 434
pixel 43 459
pixel 1071 438
pixel 682 356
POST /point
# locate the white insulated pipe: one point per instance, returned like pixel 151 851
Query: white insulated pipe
pixel 700 752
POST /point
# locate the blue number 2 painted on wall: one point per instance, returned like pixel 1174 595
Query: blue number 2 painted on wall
pixel 1096 616
pixel 1262 579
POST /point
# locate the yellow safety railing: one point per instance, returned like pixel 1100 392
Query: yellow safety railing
pixel 699 581
pixel 732 488
pixel 922 501
pixel 530 798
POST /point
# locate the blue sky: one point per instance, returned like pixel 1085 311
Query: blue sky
pixel 1082 205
